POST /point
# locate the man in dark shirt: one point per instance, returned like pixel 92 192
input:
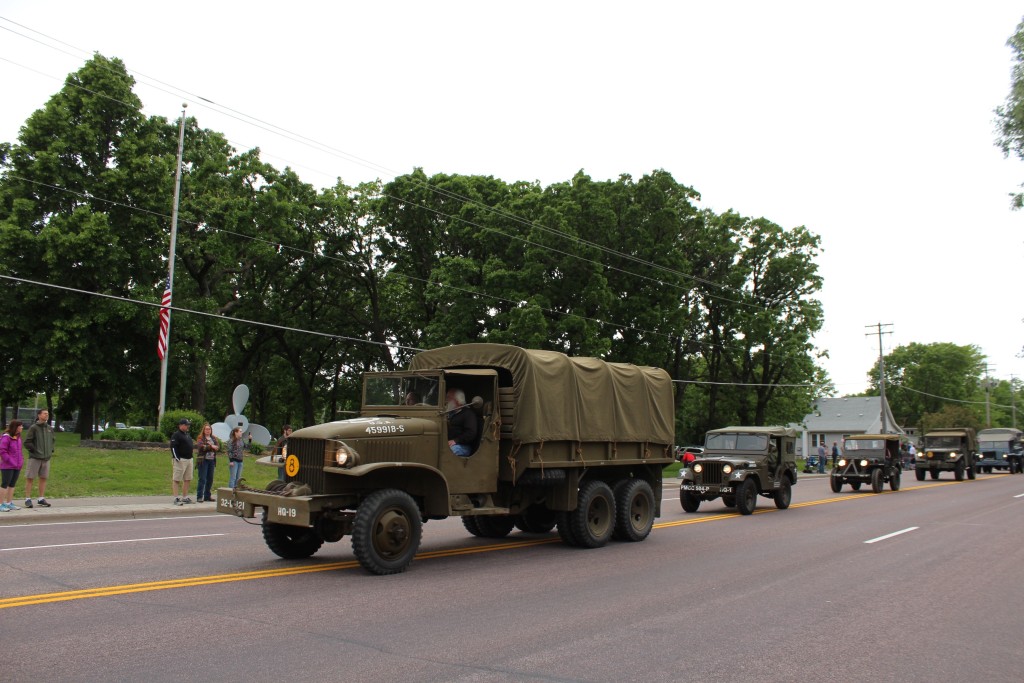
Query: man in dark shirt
pixel 462 425
pixel 181 454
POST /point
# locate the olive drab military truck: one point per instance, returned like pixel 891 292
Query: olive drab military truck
pixel 999 448
pixel 947 450
pixel 576 443
pixel 740 463
pixel 868 458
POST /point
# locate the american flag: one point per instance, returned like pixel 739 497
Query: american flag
pixel 165 320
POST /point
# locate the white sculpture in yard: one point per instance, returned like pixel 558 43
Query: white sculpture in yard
pixel 256 433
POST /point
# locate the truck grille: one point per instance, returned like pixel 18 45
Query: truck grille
pixel 712 474
pixel 310 453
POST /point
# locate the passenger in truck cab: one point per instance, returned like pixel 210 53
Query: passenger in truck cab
pixel 462 424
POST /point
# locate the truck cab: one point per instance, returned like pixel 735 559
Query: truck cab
pixel 952 449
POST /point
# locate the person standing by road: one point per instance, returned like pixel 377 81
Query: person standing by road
pixel 39 444
pixel 821 458
pixel 11 460
pixel 281 449
pixel 835 454
pixel 181 470
pixel 236 453
pixel 206 447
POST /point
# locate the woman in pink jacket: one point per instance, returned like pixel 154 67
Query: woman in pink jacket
pixel 11 459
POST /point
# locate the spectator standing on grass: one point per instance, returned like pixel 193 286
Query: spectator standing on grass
pixel 11 460
pixel 206 448
pixel 39 444
pixel 181 469
pixel 281 449
pixel 236 453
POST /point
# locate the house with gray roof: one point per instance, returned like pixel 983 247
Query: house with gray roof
pixel 835 418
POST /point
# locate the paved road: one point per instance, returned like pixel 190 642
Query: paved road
pixel 892 587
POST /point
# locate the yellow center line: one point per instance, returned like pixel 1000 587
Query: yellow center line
pixel 189 582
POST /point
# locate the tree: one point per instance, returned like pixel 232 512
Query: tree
pixel 1010 116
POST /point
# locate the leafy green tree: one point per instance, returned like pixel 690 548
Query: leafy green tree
pixel 950 415
pixel 1010 115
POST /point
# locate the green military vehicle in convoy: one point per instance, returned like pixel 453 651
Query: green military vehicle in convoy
pixel 739 464
pixel 999 448
pixel 868 458
pixel 576 443
pixel 952 449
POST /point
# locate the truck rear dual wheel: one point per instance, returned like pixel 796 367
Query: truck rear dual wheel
pixel 634 510
pixel 291 542
pixel 387 531
pixel 591 524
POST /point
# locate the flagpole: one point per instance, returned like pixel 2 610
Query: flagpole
pixel 170 265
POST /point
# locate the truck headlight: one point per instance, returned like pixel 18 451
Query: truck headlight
pixel 1004 456
pixel 346 456
pixel 953 455
pixel 842 462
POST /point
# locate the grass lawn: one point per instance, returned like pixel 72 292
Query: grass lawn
pixel 77 472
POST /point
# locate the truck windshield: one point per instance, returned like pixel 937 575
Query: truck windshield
pixel 400 390
pixel 942 442
pixel 997 446
pixel 737 442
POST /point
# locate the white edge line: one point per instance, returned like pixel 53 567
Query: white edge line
pixel 895 533
pixel 126 540
pixel 1019 495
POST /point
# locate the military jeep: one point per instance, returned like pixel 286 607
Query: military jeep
pixel 950 450
pixel 868 458
pixel 740 463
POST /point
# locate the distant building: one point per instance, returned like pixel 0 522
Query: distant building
pixel 834 419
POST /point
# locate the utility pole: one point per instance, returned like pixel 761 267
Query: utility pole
pixel 881 367
pixel 1013 400
pixel 988 392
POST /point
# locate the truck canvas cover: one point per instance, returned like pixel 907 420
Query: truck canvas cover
pixel 559 398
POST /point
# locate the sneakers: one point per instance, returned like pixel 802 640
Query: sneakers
pixel 28 502
pixel 12 506
pixel 4 507
pixel 177 501
pixel 42 503
pixel 186 500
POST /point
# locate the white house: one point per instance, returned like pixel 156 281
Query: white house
pixel 835 418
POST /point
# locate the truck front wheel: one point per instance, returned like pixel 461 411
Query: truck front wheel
pixel 960 472
pixel 290 542
pixel 387 532
pixel 593 520
pixel 634 508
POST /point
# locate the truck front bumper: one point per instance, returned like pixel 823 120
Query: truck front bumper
pixel 291 510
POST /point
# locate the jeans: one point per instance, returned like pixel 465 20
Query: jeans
pixel 235 470
pixel 462 450
pixel 205 484
pixel 821 464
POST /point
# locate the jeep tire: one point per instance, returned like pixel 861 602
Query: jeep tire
pixel 746 496
pixel 836 483
pixel 920 474
pixel 784 495
pixel 689 501
pixel 876 480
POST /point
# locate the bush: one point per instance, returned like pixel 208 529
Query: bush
pixel 169 423
pixel 131 435
pixel 255 448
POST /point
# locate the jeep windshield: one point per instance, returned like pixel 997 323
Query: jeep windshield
pixel 863 445
pixel 400 390
pixel 942 442
pixel 736 442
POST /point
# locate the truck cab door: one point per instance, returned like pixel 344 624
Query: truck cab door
pixel 477 473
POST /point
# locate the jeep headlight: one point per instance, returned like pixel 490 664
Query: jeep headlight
pixel 727 469
pixel 698 468
pixel 842 462
pixel 346 456
pixel 863 463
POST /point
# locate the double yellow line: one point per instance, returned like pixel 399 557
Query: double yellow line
pixel 126 589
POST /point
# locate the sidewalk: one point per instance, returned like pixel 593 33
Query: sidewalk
pixel 120 507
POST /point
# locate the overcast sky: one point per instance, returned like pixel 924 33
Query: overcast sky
pixel 869 123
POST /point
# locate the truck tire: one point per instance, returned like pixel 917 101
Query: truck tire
pixel 470 522
pixel 495 526
pixel 784 495
pixel 634 510
pixel 536 519
pixel 894 480
pixel 746 497
pixel 689 501
pixel 565 530
pixel 876 480
pixel 593 520
pixel 387 531
pixel 919 474
pixel 290 542
pixel 959 471
pixel 855 485
pixel 972 471
pixel 836 483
